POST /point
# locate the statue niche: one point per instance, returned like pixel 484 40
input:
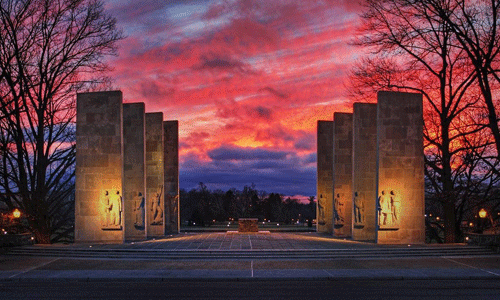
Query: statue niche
pixel 157 210
pixel 139 211
pixel 338 213
pixel 111 216
pixel 389 210
pixel 321 210
pixel 359 211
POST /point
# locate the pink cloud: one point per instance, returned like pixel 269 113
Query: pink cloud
pixel 259 76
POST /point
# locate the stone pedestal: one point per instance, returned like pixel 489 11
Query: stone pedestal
pixel 154 175
pixel 364 171
pixel 324 211
pixel 248 225
pixel 99 168
pixel 400 182
pixel 171 172
pixel 342 174
pixel 134 168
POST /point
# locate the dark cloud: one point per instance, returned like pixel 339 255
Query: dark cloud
pixel 153 90
pixel 275 92
pixel 311 158
pixel 296 182
pixel 219 63
pixel 234 153
pixel 306 142
pixel 261 112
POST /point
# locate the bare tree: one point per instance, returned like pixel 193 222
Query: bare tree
pixel 414 50
pixel 475 24
pixel 49 50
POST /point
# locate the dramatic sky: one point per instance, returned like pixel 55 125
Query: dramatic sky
pixel 246 79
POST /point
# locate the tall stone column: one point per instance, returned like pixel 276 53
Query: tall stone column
pixel 134 169
pixel 342 174
pixel 171 171
pixel 154 175
pixel 324 211
pixel 364 171
pixel 99 168
pixel 400 182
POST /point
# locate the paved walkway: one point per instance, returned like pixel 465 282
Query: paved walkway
pixel 237 241
pixel 18 267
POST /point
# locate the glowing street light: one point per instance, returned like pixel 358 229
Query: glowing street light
pixel 16 213
pixel 482 213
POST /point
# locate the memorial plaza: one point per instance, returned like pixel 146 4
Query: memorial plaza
pixel 233 255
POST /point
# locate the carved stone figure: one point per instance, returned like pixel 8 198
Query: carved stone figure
pixel 115 209
pixel 157 210
pixel 105 218
pixel 321 210
pixel 359 209
pixel 385 210
pixel 174 200
pixel 396 207
pixel 339 210
pixel 139 211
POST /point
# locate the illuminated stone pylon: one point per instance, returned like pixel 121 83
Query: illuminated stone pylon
pixel 324 211
pixel 364 163
pixel 99 167
pixel 400 169
pixel 171 175
pixel 342 174
pixel 155 175
pixel 134 169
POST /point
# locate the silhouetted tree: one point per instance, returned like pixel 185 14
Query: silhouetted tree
pixel 414 49
pixel 474 24
pixel 49 50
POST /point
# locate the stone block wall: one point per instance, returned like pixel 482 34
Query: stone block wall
pixel 134 169
pixel 324 211
pixel 99 172
pixel 171 172
pixel 364 171
pixel 400 182
pixel 342 174
pixel 154 175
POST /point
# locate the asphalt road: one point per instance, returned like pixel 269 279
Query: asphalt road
pixel 253 289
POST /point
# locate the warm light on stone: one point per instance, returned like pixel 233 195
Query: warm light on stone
pixel 324 211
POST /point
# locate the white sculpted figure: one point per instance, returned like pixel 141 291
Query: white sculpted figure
pixel 115 209
pixel 157 210
pixel 385 210
pixel 105 209
pixel 321 210
pixel 396 207
pixel 359 208
pixel 338 205
pixel 139 211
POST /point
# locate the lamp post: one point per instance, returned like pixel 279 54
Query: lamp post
pixel 16 213
pixel 482 219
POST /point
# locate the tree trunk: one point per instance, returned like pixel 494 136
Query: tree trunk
pixel 41 230
pixel 449 221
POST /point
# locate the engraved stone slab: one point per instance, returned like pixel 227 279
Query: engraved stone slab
pixel 248 225
pixel 171 171
pixel 134 170
pixel 324 211
pixel 154 175
pixel 364 171
pixel 99 167
pixel 342 174
pixel 400 182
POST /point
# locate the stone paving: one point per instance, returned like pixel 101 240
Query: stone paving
pixel 20 267
pixel 239 241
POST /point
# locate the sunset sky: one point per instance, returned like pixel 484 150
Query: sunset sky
pixel 247 81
